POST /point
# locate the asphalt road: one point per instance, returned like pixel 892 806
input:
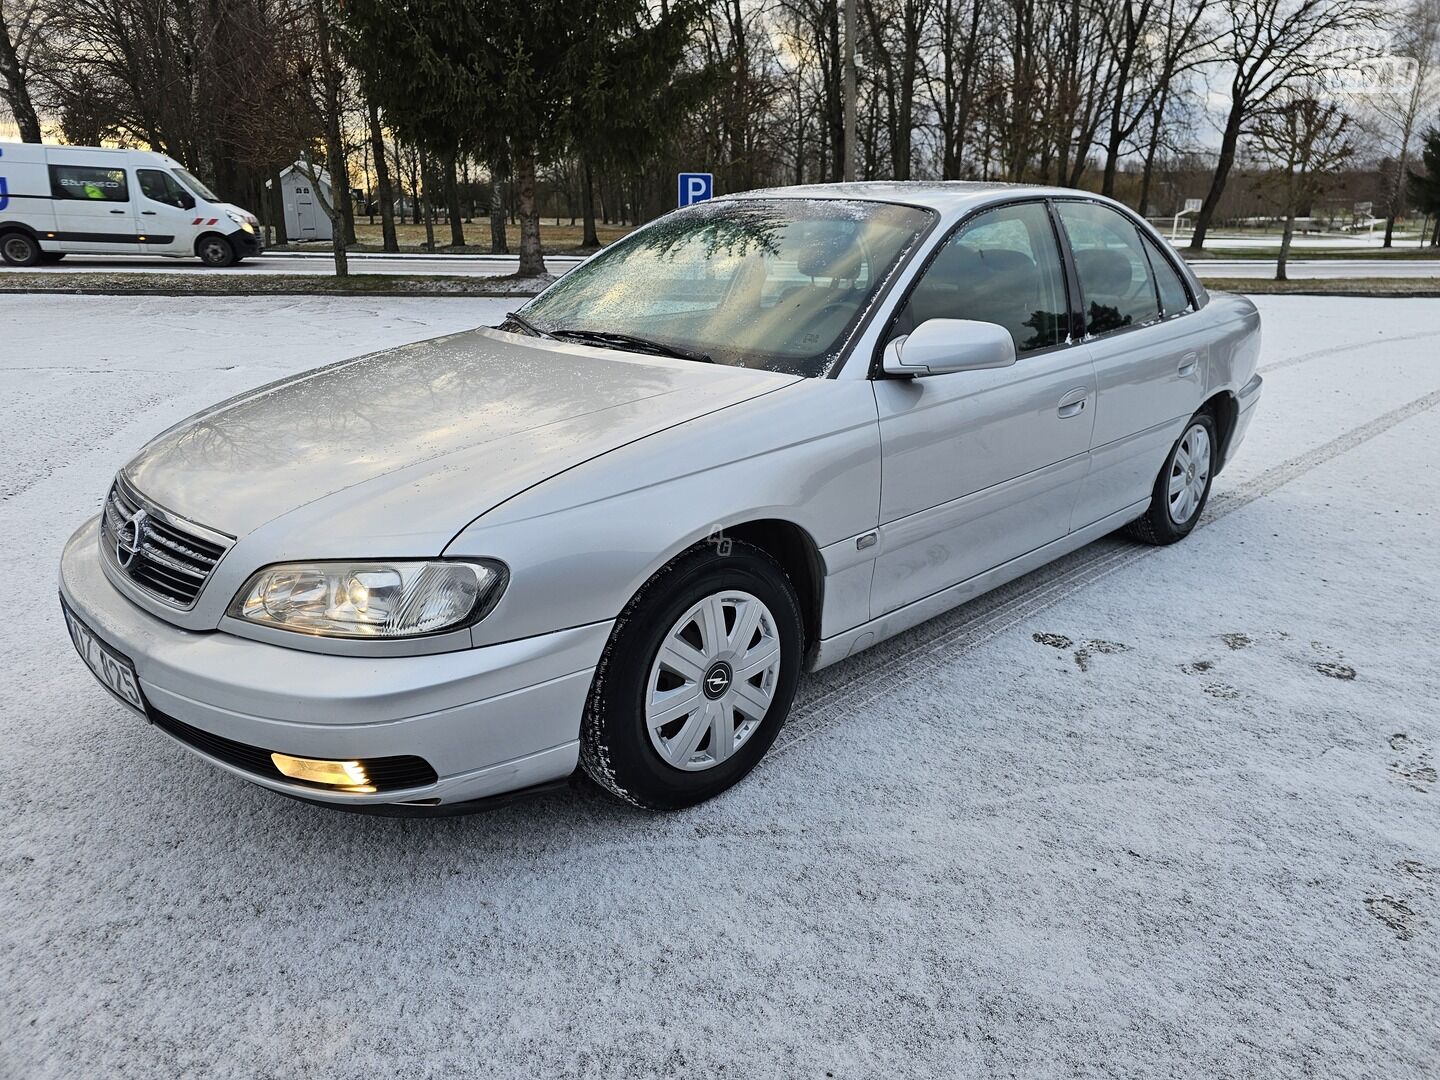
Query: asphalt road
pixel 495 265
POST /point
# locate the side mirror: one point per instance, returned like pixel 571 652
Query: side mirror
pixel 186 200
pixel 940 346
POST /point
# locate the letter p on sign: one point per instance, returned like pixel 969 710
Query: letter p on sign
pixel 696 187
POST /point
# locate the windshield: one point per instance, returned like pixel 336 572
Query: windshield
pixel 767 283
pixel 187 178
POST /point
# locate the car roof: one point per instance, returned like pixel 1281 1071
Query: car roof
pixel 941 195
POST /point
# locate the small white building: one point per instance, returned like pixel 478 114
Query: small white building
pixel 305 218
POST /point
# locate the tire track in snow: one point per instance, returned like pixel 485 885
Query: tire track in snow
pixel 1336 350
pixel 937 642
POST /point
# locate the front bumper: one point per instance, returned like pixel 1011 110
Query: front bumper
pixel 247 244
pixel 488 720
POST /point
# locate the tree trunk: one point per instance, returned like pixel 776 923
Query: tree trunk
pixel 427 176
pixel 498 244
pixel 334 144
pixel 532 258
pixel 277 207
pixel 452 202
pixel 587 202
pixel 1223 165
pixel 385 195
pixel 14 91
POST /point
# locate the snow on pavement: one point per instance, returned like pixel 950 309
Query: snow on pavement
pixel 1142 812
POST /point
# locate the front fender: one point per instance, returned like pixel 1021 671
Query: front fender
pixel 582 543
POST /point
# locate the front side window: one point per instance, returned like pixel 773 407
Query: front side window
pixel 1003 267
pixel 765 283
pixel 193 183
pixel 1116 285
pixel 86 183
pixel 163 188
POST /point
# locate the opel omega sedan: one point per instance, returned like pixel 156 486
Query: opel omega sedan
pixel 753 438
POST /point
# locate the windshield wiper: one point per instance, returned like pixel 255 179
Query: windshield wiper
pixel 634 341
pixel 527 325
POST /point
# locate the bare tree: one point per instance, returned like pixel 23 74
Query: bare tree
pixel 1270 47
pixel 1307 140
pixel 1402 103
pixel 21 28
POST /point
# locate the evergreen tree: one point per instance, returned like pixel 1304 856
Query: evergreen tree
pixel 508 81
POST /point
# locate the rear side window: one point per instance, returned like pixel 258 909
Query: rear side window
pixel 85 182
pixel 163 188
pixel 1174 300
pixel 1116 285
pixel 1003 267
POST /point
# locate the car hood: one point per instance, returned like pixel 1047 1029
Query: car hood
pixel 395 452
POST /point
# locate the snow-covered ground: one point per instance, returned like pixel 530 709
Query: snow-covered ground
pixel 1145 812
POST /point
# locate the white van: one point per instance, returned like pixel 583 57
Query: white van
pixel 55 200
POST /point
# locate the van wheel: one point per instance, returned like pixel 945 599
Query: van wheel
pixel 19 249
pixel 215 251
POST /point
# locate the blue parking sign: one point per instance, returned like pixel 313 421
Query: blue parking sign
pixel 696 187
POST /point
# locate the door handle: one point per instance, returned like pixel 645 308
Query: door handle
pixel 148 213
pixel 117 211
pixel 1073 403
pixel 1188 365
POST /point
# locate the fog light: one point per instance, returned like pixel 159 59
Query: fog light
pixel 344 775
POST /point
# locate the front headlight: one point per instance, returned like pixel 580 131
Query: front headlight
pixel 246 221
pixel 371 600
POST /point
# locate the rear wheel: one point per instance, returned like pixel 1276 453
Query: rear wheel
pixel 1183 486
pixel 696 680
pixel 216 251
pixel 19 249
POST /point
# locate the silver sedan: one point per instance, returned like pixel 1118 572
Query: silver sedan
pixel 753 438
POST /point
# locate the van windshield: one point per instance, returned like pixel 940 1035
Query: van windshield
pixel 757 282
pixel 189 180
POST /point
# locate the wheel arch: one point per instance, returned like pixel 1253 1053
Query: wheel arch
pixel 799 556
pixel 201 237
pixel 1224 409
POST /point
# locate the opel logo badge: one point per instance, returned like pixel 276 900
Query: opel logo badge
pixel 717 680
pixel 130 538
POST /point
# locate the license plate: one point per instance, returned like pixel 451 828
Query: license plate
pixel 114 671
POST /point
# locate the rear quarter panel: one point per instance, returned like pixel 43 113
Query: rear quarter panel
pixel 25 190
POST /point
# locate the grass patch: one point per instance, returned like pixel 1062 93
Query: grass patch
pixel 556 239
pixel 1382 287
pixel 240 284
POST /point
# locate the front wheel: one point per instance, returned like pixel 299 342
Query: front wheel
pixel 19 249
pixel 696 680
pixel 216 251
pixel 1183 486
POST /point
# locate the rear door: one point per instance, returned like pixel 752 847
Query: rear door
pixel 94 208
pixel 1150 358
pixel 983 466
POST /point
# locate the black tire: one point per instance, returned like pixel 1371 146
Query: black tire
pixel 616 751
pixel 215 251
pixel 19 248
pixel 50 257
pixel 1158 526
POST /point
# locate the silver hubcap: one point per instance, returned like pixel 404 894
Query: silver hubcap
pixel 1189 473
pixel 712 681
pixel 17 249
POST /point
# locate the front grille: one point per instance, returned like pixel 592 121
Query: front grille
pixel 386 774
pixel 166 556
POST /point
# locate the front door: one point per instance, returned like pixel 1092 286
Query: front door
pixel 94 210
pixel 168 220
pixel 983 466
